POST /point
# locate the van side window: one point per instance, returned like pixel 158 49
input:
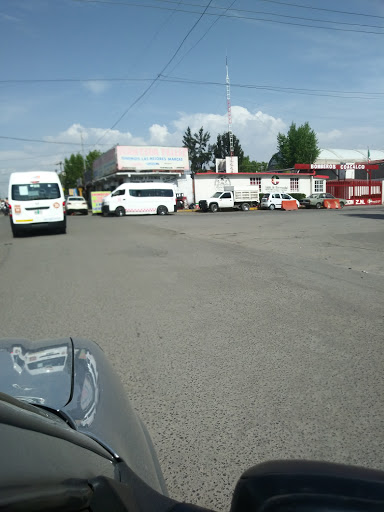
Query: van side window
pixel 166 192
pixel 151 192
pixel 120 192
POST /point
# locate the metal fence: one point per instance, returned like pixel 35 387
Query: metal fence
pixel 363 192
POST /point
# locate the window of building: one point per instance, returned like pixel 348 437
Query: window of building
pixel 294 184
pixel 319 185
pixel 256 182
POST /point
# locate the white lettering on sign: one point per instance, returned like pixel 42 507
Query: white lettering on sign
pixel 352 166
pixel 323 166
pixel 279 188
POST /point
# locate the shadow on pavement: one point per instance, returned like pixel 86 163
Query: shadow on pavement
pixel 367 215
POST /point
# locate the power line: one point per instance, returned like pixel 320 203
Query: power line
pixel 202 37
pixel 234 16
pixel 29 158
pixel 158 31
pixel 278 88
pixel 158 76
pixel 323 9
pixel 46 141
pixel 226 9
pixel 300 6
pixel 53 80
pixel 173 79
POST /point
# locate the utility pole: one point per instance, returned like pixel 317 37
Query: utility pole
pixel 82 150
pixel 84 168
pixel 229 109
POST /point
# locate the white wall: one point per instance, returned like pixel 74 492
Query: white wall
pixel 185 186
pixel 183 183
pixel 206 185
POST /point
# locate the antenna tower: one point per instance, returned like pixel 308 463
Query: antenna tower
pixel 231 149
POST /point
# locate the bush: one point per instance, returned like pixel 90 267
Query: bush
pixel 298 196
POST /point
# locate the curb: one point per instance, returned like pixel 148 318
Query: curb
pixel 195 211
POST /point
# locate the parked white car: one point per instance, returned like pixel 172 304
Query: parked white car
pixel 76 204
pixel 272 201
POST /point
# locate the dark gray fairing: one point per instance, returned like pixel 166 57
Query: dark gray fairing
pixel 74 378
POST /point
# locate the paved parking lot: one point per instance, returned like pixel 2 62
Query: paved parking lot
pixel 240 337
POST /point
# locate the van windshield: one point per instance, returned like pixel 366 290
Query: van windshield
pixel 35 191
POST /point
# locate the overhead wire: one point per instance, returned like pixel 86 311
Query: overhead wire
pixel 234 16
pixel 312 92
pixel 47 141
pixel 351 13
pixel 289 4
pixel 174 79
pixel 225 9
pixel 29 158
pixel 202 37
pixel 158 31
pixel 156 78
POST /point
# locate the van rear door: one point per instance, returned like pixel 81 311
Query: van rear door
pixel 36 202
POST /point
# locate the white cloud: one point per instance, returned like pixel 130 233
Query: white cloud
pixel 95 86
pixel 256 132
pixel 7 17
pixel 351 137
pixel 76 132
pixel 159 135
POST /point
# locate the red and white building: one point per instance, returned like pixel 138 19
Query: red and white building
pixel 207 183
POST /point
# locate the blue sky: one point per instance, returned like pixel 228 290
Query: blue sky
pixel 93 59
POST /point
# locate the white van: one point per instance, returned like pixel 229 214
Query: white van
pixel 36 201
pixel 46 361
pixel 140 199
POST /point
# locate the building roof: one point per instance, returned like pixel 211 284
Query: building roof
pixel 294 173
pixel 330 156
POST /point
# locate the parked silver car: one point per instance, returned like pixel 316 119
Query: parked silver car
pixel 317 200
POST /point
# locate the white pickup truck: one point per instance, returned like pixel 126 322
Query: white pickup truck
pixel 238 199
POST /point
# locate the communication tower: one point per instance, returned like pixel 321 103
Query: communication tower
pixel 231 149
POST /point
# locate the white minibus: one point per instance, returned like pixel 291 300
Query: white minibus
pixel 36 201
pixel 140 199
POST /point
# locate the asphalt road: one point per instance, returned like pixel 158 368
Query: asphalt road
pixel 240 337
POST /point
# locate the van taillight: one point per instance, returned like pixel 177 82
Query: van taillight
pixel 9 210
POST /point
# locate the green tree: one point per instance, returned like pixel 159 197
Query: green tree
pixel 89 159
pixel 299 146
pixel 222 148
pixel 73 170
pixel 252 166
pixel 199 150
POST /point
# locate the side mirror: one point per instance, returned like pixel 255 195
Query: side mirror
pixel 303 486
